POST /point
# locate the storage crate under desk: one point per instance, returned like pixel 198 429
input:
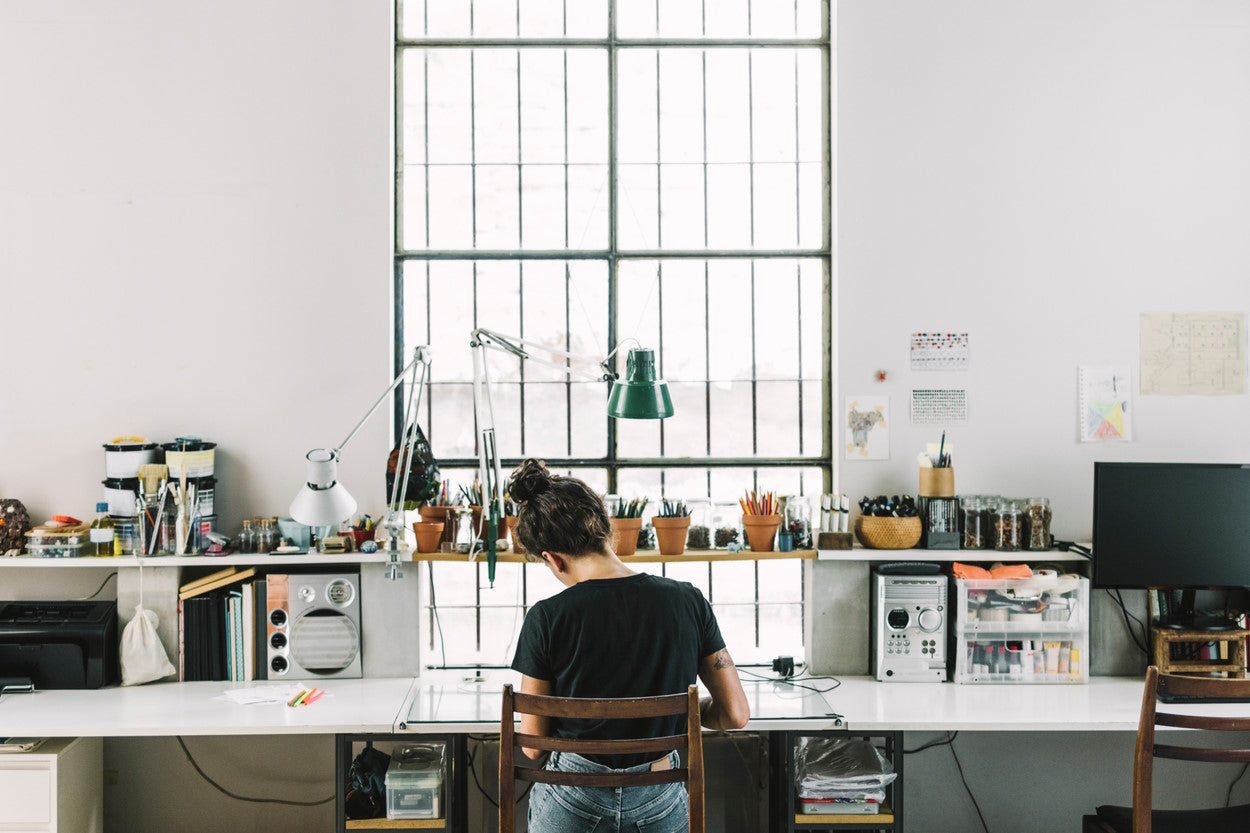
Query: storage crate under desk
pixel 1037 630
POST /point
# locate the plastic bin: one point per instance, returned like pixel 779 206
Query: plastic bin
pixel 414 782
pixel 1022 630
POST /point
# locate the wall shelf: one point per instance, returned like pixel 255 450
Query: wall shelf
pixel 689 556
pixel 236 560
pixel 967 556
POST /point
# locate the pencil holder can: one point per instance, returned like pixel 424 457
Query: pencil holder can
pixel 937 482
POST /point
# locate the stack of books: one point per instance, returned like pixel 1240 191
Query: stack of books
pixel 218 625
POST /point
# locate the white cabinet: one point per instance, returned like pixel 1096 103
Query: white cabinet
pixel 58 788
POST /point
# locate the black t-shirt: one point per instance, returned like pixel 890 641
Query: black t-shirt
pixel 637 636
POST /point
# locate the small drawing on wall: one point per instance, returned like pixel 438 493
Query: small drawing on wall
pixel 939 351
pixel 942 406
pixel 867 428
pixel 1105 401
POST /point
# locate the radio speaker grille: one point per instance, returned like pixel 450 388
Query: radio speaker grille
pixel 324 641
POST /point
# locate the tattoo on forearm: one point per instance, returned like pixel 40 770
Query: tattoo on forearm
pixel 722 660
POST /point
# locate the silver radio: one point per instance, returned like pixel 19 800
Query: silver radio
pixel 909 618
pixel 313 626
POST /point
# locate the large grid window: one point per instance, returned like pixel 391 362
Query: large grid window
pixel 583 173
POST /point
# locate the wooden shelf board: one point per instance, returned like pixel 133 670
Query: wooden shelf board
pixel 639 558
pixel 396 824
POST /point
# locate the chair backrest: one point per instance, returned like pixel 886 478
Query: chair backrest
pixel 1197 689
pixel 601 709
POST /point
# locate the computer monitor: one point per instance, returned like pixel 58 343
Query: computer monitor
pixel 1181 526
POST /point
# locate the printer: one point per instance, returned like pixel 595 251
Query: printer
pixel 60 644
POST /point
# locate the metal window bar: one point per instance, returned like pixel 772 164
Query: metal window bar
pixel 613 255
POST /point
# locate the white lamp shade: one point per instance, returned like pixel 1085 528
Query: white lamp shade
pixel 322 501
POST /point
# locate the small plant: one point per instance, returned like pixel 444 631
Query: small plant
pixel 629 509
pixel 673 509
pixel 725 536
pixel 646 538
pixel 699 538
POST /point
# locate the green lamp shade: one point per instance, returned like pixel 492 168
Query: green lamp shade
pixel 640 395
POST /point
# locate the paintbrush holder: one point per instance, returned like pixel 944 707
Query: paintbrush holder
pixel 936 482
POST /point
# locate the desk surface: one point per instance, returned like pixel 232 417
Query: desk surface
pixel 446 703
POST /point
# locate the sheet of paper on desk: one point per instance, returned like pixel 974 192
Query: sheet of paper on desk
pixel 261 694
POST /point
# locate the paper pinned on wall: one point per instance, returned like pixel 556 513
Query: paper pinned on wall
pixel 868 427
pixel 1193 353
pixel 1105 403
pixel 939 406
pixel 939 351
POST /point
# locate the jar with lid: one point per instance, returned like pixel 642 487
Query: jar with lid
pixel 245 541
pixel 973 527
pixel 263 541
pixel 726 524
pixel 1037 522
pixel 698 535
pixel 797 520
pixel 1008 522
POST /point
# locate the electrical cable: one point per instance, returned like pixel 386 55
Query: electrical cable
pixel 947 741
pixel 1228 798
pixel 968 789
pixel 478 784
pixel 1118 598
pixel 438 622
pixel 237 797
pixel 98 589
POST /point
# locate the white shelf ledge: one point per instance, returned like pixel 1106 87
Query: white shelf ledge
pixel 968 556
pixel 236 560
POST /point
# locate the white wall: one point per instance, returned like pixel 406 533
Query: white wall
pixel 195 215
pixel 1037 175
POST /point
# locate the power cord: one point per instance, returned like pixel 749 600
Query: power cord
pixel 950 738
pixel 1228 798
pixel 438 622
pixel 238 797
pixel 98 589
pixel 473 772
pixel 1118 598
pixel 968 789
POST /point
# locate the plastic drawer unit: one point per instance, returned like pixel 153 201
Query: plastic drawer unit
pixel 1031 631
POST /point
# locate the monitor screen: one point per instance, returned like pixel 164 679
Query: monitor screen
pixel 1180 525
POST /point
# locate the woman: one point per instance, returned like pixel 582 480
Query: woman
pixel 611 633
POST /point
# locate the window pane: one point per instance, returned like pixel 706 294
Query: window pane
pixel 493 18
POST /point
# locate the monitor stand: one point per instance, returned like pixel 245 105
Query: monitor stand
pixel 1184 618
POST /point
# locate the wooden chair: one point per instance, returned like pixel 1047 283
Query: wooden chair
pixel 601 709
pixel 1140 818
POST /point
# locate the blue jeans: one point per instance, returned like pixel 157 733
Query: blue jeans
pixel 557 809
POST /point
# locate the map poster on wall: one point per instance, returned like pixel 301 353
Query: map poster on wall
pixel 939 351
pixel 1104 402
pixel 867 427
pixel 1193 353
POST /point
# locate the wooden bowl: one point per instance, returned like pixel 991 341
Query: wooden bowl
pixel 887 533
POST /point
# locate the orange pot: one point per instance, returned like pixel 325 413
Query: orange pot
pixel 761 531
pixel 517 546
pixel 625 535
pixel 670 534
pixel 446 515
pixel 429 534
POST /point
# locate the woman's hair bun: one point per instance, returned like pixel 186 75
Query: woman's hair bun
pixel 529 479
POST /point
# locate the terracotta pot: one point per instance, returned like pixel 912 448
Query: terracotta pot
pixel 761 530
pixel 517 546
pixel 625 535
pixel 670 534
pixel 446 515
pixel 429 534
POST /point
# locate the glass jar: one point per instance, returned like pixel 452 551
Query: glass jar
pixel 973 528
pixel 1007 518
pixel 699 535
pixel 726 524
pixel 1037 522
pixel 797 520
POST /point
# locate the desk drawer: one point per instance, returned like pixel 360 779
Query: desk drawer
pixel 27 794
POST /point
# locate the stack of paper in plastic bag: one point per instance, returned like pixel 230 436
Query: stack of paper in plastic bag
pixel 841 776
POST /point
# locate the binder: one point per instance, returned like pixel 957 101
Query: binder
pixel 260 605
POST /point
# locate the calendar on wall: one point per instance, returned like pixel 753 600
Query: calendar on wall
pixel 943 406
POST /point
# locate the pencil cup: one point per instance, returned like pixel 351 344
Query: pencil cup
pixel 761 529
pixel 625 534
pixel 429 533
pixel 517 546
pixel 937 482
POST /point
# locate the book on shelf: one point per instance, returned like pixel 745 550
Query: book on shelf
pixel 223 578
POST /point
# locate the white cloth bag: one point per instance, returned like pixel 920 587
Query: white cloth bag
pixel 143 656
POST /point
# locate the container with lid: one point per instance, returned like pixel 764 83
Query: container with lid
pixel 414 782
pixel 124 455
pixel 1037 522
pixel 1007 518
pixel 120 494
pixel 973 523
pixel 191 453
